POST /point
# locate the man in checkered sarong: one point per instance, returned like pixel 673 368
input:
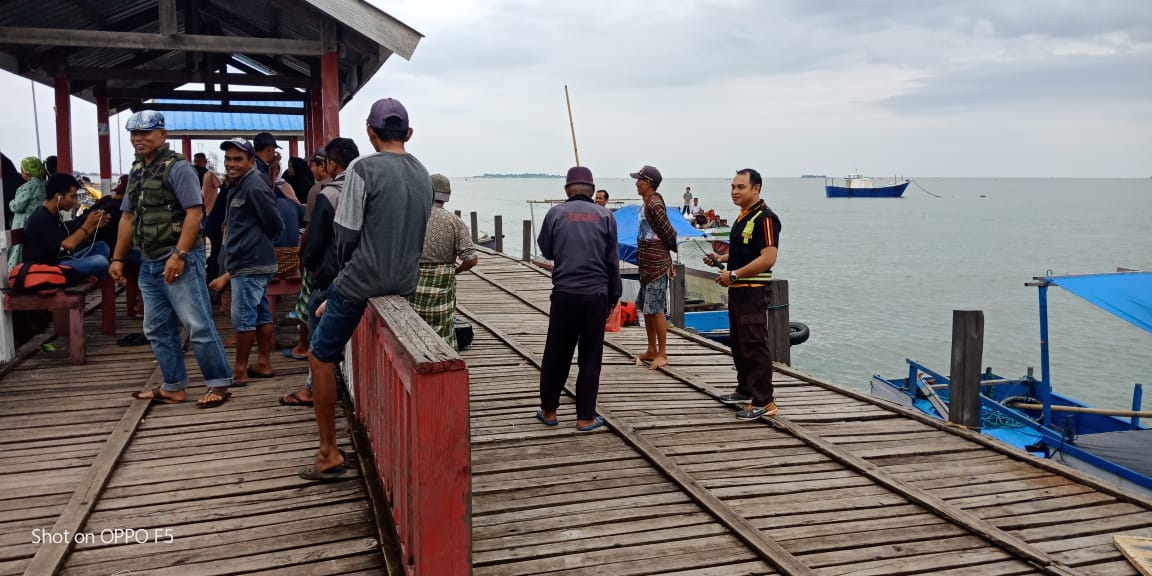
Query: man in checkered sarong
pixel 446 241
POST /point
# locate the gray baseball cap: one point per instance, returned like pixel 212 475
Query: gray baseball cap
pixel 386 108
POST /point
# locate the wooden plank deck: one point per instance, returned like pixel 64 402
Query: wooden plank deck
pixel 838 483
pixel 217 487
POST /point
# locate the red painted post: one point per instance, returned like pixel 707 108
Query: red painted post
pixel 309 141
pixel 293 147
pixel 63 126
pixel 421 446
pixel 187 148
pixel 330 92
pixel 104 140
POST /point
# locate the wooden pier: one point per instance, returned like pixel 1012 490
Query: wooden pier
pixel 839 483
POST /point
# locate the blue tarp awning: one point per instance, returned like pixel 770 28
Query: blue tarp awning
pixel 1125 294
pixel 628 224
pixel 238 122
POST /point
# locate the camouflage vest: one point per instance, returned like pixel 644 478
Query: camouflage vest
pixel 158 217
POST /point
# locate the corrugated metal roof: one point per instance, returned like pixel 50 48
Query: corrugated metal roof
pixel 240 123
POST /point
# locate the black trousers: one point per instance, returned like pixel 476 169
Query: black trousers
pixel 748 326
pixel 576 319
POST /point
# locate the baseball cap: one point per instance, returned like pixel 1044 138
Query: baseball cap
pixel 121 185
pixel 648 173
pixel 441 188
pixel 579 175
pixel 145 120
pixel 320 156
pixel 239 144
pixel 386 108
pixel 264 140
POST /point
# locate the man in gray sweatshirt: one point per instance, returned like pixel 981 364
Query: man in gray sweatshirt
pixel 252 222
pixel 580 237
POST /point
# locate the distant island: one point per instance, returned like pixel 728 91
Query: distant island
pixel 813 176
pixel 524 175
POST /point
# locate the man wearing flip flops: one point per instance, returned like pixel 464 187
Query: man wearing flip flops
pixel 579 236
pixel 162 212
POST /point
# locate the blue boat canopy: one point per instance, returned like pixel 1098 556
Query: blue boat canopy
pixel 628 225
pixel 1125 294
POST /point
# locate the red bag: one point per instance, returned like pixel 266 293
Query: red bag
pixel 27 278
pixel 628 314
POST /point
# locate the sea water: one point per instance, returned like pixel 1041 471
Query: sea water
pixel 877 280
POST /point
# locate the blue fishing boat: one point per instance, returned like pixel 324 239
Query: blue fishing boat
pixel 1026 413
pixel 860 186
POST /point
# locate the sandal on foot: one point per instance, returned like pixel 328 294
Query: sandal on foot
pixel 155 396
pixel 295 401
pixel 547 422
pixel 289 355
pixel 596 423
pixel 222 395
pixel 334 473
pixel 135 339
pixel 254 374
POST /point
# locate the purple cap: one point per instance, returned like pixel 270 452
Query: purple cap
pixel 648 173
pixel 239 144
pixel 387 108
pixel 121 185
pixel 579 175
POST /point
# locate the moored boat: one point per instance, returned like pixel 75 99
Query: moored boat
pixel 1026 413
pixel 860 186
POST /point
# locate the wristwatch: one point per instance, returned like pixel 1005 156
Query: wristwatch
pixel 181 254
pixel 733 277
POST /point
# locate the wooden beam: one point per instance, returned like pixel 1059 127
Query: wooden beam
pixel 217 108
pixel 167 21
pixel 81 73
pixel 145 41
pixel 373 23
pixel 143 94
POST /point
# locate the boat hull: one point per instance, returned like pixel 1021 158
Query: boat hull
pixel 890 191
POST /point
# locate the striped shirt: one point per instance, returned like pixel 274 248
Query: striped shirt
pixel 655 238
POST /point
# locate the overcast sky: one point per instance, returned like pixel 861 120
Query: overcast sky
pixel 700 88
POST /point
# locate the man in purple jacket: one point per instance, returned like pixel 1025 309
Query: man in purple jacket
pixel 579 236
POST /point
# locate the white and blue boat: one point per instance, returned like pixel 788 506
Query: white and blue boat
pixel 1026 413
pixel 860 186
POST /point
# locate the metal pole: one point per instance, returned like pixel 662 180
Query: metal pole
pixel 36 119
pixel 571 125
pixel 1045 390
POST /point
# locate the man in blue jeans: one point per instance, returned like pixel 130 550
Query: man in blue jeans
pixel 379 227
pixel 162 214
pixel 48 240
pixel 252 222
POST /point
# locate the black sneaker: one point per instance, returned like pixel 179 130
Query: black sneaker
pixel 735 398
pixel 755 412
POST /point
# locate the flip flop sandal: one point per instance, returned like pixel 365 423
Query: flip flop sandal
pixel 547 422
pixel 156 396
pixel 254 374
pixel 289 355
pixel 223 394
pixel 296 401
pixel 596 423
pixel 332 474
pixel 135 339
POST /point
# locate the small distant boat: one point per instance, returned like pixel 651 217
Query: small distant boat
pixel 860 186
pixel 814 176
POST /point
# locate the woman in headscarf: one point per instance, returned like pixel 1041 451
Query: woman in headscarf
pixel 29 196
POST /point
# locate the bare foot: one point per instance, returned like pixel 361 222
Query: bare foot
pixel 658 362
pixel 647 356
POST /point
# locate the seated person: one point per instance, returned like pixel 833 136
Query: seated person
pixel 111 205
pixel 49 240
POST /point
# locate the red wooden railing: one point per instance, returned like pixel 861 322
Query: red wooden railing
pixel 411 396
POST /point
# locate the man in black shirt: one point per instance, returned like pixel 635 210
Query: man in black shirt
pixel 49 240
pixel 754 242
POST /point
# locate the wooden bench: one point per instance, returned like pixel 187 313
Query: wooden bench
pixel 280 287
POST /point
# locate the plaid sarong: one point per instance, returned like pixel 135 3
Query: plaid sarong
pixel 305 293
pixel 435 299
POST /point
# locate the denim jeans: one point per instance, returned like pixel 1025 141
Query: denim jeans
pixel 91 260
pixel 316 298
pixel 185 301
pixel 336 326
pixel 250 307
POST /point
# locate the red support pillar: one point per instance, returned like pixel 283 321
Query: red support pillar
pixel 293 147
pixel 188 148
pixel 309 137
pixel 63 126
pixel 104 140
pixel 330 93
pixel 317 118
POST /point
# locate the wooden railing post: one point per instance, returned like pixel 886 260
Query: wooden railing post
pixel 779 335
pixel 967 349
pixel 421 445
pixel 498 224
pixel 475 227
pixel 676 293
pixel 527 241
